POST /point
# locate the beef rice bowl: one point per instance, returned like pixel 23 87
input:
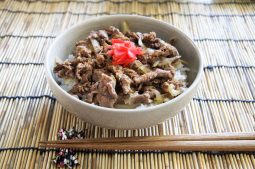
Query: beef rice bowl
pixel 122 69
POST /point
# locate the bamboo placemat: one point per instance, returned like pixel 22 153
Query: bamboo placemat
pixel 224 31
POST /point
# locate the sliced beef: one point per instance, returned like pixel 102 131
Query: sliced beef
pixel 156 49
pixel 107 95
pixel 132 36
pixel 152 75
pixel 105 46
pixel 80 89
pixel 116 33
pixel 89 97
pixel 139 67
pixel 131 73
pixel 137 98
pixel 100 60
pixel 103 91
pixel 97 74
pixel 84 71
pixel 151 40
pixel 124 80
pixel 99 35
pixel 82 49
pixel 64 70
pixel 166 62
pixel 166 50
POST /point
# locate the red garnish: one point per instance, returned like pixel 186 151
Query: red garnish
pixel 123 52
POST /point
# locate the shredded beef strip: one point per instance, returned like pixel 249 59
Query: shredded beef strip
pixel 152 75
pixel 107 95
pixel 152 92
pixel 100 60
pixel 131 73
pixel 151 41
pixel 83 51
pixel 84 71
pixel 132 36
pixel 124 80
pixel 80 89
pixel 159 47
pixel 138 98
pixel 116 33
pixel 103 90
pixel 89 97
pixel 64 70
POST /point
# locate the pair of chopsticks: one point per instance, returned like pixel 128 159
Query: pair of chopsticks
pixel 208 142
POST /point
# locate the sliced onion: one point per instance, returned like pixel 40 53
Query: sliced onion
pixel 95 44
pixel 171 90
pixel 150 51
pixel 124 27
pixel 159 98
pixel 104 33
pixel 58 60
pixel 155 64
pixel 126 106
pixel 141 67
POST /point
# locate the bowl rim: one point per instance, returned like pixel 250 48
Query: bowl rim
pixel 115 110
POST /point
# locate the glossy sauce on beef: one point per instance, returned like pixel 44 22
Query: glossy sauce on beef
pixel 148 80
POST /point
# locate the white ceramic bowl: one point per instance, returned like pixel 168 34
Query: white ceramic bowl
pixel 124 118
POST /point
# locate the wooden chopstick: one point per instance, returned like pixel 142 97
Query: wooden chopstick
pixel 186 137
pixel 226 145
pixel 212 142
